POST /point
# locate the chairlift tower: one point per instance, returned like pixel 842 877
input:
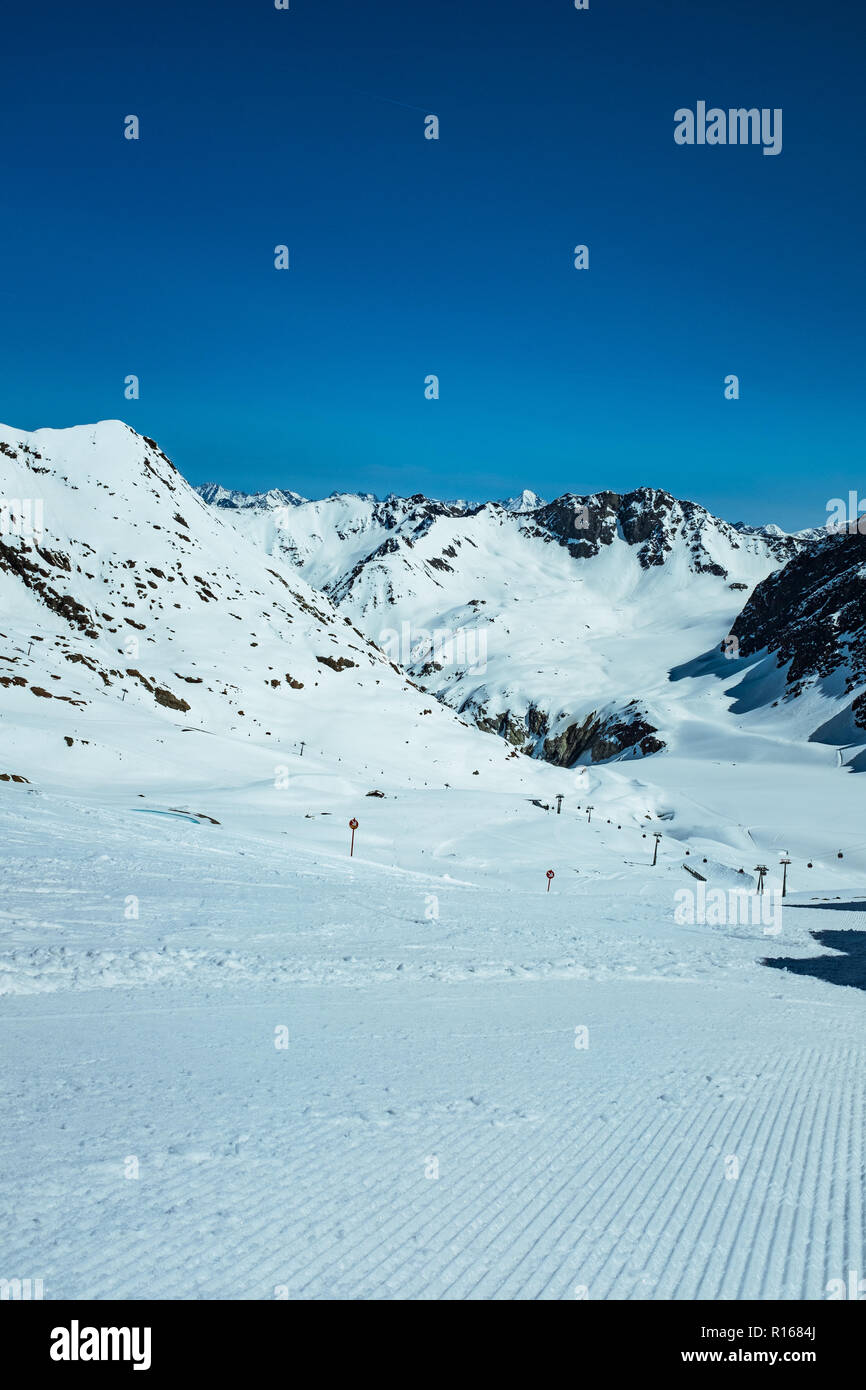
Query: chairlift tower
pixel 784 863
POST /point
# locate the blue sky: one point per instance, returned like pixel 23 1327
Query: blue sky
pixel 454 257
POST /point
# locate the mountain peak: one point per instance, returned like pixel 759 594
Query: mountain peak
pixel 231 498
pixel 525 501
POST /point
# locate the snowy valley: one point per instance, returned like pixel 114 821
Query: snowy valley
pixel 243 1063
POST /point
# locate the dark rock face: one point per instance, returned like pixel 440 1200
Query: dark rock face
pixel 16 561
pixel 507 725
pixel 812 614
pixel 583 524
pixel 169 700
pixel 339 663
pixel 537 721
pixel 522 731
pixel 648 519
pixel 604 737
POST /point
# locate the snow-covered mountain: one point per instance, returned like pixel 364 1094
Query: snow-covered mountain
pixel 140 632
pixel 281 1033
pixel 359 626
pixel 806 624
pixel 526 501
pixel 218 496
pixel 553 625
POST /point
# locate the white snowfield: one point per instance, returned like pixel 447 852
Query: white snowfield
pixel 506 615
pixel 239 1063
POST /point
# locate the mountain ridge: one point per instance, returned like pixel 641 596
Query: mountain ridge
pixel 511 582
pixel 565 630
pixel 133 617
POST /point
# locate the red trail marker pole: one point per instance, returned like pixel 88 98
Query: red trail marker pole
pixel 353 826
pixel 550 875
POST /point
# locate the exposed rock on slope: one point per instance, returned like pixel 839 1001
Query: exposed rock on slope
pixel 541 622
pixel 135 614
pixel 811 617
pixel 654 523
pixel 602 737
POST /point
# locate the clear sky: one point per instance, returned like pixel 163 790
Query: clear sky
pixel 409 256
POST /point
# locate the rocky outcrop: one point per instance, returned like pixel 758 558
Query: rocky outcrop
pixel 522 731
pixel 811 615
pixel 17 561
pixel 168 700
pixel 604 736
pixel 649 520
pixel 338 663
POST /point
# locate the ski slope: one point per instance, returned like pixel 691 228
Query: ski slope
pixel 241 1063
pixel 431 1130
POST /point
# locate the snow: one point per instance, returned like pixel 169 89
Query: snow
pixel 525 501
pixel 502 589
pixel 179 900
pixel 413 1041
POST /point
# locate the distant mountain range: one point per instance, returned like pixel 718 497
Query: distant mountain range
pixel 137 611
pixel 554 624
pixel 218 496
